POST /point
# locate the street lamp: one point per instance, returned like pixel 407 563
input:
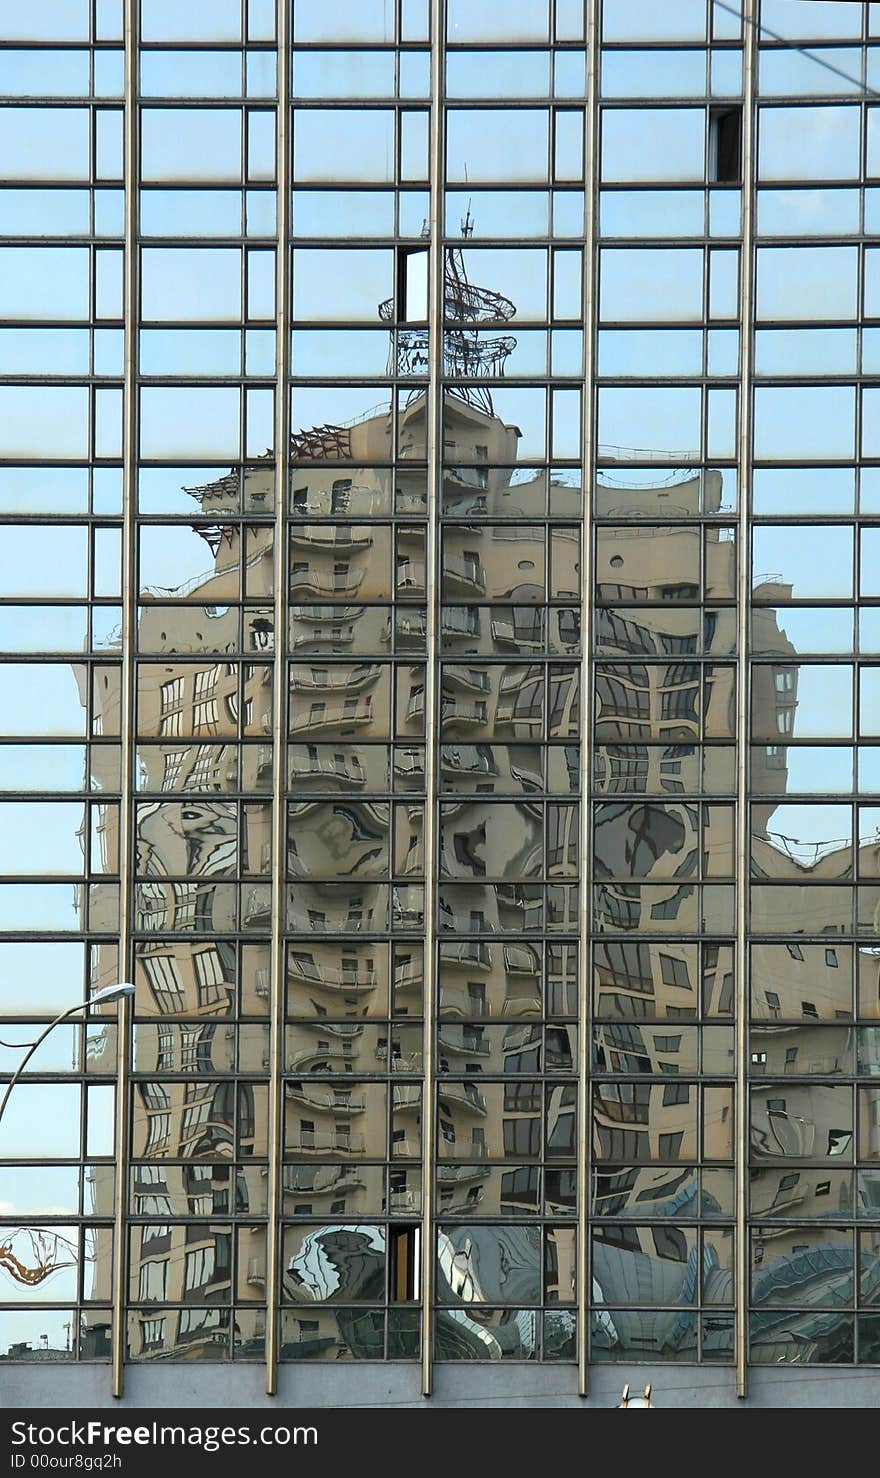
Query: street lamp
pixel 101 997
pixel 635 1403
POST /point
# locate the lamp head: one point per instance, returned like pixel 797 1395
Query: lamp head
pixel 111 993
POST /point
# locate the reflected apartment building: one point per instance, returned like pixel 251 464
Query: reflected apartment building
pixel 663 1052
pixel 353 1079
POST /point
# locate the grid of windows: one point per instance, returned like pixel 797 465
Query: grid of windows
pixel 441 668
pixel 61 485
pixel 811 1103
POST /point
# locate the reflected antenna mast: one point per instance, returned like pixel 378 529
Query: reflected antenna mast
pixel 469 352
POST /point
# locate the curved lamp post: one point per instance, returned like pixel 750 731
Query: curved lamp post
pixel 632 1403
pixel 100 997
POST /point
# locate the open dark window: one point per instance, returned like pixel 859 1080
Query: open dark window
pixel 412 284
pixel 725 145
pixel 403 1263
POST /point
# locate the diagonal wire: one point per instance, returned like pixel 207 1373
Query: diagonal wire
pixel 804 50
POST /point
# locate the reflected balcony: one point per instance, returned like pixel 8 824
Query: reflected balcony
pixel 412 628
pixel 462 1042
pixel 408 975
pixel 306 1140
pixel 313 582
pixel 518 1038
pixel 459 623
pixel 331 977
pixel 462 1096
pixel 410 578
pixel 468 759
pixel 513 900
pixel 257 907
pixel 407 1148
pixel 470 954
pixel 338 637
pixel 608 1111
pixel 226 578
pixel 460 1175
pixel 256 1272
pixel 521 633
pixel 771 588
pixel 465 680
pixel 321 1058
pixel 324 1180
pixel 318 614
pixel 344 1030
pixel 344 775
pixel 338 540
pixel 458 713
pixel 341 1104
pixel 409 765
pixel 520 959
pixel 785 1135
pixel 405 1201
pixel 336 680
pixel 333 716
pixel 403 1062
pixel 340 622
pixel 460 1004
pixel 408 912
pixel 463 575
pixel 406 1097
pixel 408 1062
pixel 467 505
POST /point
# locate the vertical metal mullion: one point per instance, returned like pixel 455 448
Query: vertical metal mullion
pixel 279 695
pixel 750 45
pixel 127 689
pixel 591 174
pixel 434 451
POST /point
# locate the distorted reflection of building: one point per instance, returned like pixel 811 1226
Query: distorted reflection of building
pixel 354 859
pixel 509 773
pixel 668 866
pixel 665 726
pixel 663 1051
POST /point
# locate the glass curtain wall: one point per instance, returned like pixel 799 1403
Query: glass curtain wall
pixel 813 998
pixel 61 485
pixel 440 667
pixel 510 764
pixel 357 643
pixel 665 683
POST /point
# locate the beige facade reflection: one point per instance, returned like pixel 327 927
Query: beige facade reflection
pixel 665 724
pixel 509 773
pixel 354 862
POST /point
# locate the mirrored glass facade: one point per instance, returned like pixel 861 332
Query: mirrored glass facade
pixel 440 631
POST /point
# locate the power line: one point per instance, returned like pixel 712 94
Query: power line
pixel 820 61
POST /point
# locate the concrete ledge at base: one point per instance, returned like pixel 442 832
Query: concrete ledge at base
pixel 373 1384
